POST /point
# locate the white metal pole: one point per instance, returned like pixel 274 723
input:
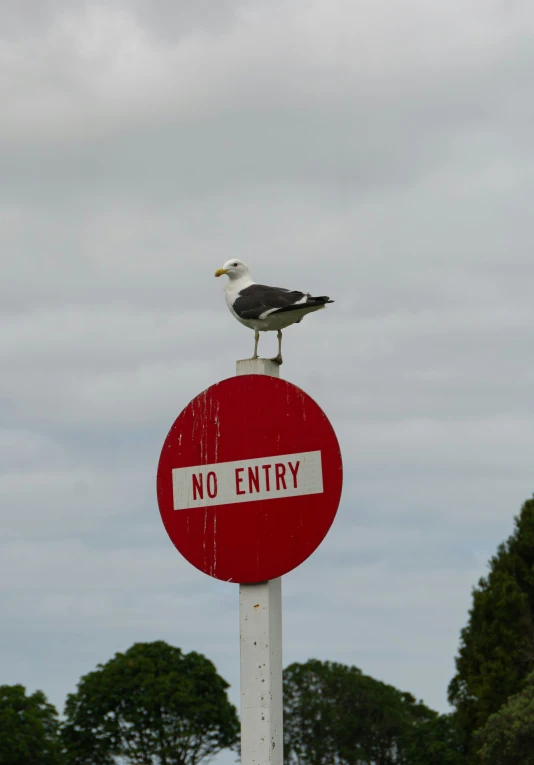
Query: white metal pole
pixel 260 627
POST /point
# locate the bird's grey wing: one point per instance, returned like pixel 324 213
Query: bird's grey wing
pixel 256 300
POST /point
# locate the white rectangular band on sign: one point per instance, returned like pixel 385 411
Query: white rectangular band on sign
pixel 225 483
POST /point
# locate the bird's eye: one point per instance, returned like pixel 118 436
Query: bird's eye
pixel 236 264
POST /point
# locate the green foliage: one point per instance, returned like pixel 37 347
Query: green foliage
pixel 335 715
pixel 497 645
pixel 433 741
pixel 152 704
pixel 507 738
pixel 28 728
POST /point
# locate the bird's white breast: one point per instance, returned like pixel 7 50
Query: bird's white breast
pixel 231 293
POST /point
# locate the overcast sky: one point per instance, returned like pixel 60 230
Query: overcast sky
pixel 380 153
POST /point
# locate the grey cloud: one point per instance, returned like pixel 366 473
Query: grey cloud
pixel 380 155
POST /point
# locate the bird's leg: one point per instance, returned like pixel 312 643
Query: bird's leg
pixel 278 358
pixel 256 340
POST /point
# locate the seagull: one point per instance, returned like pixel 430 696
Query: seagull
pixel 263 308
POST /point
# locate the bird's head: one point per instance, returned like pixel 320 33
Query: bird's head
pixel 234 269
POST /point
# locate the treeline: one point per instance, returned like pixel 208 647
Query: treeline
pixel 154 704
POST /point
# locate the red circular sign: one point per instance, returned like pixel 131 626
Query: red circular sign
pixel 249 479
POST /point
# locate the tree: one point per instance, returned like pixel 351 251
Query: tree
pixel 152 704
pixel 497 645
pixel 28 728
pixel 507 738
pixel 434 740
pixel 335 715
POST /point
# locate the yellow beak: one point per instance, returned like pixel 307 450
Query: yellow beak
pixel 220 271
